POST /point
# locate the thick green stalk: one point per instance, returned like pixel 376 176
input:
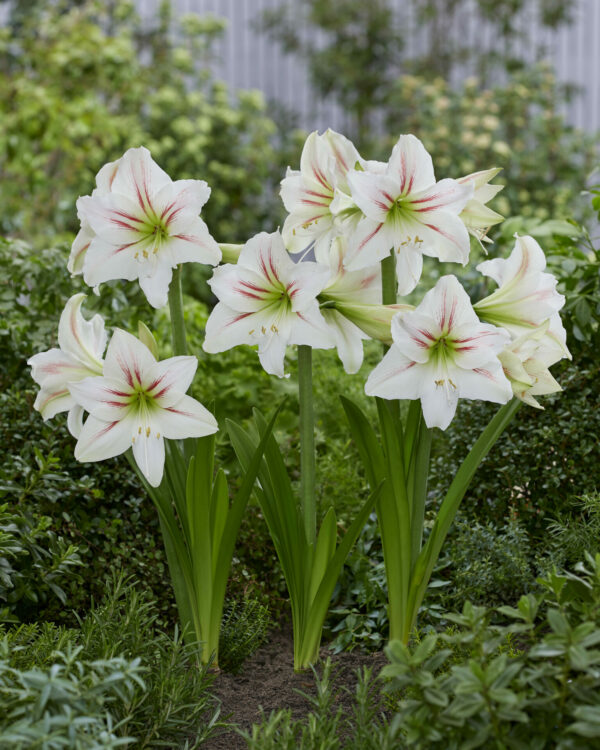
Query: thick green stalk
pixel 176 309
pixel 389 285
pixel 307 443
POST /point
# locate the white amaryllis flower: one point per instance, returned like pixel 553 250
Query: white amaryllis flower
pixel 81 345
pixel 476 215
pixel 307 194
pixel 405 209
pixel 269 300
pixel 143 226
pixel 526 361
pixel 351 287
pixel 136 404
pixel 442 352
pixel 526 296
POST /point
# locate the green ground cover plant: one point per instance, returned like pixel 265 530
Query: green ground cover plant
pixel 115 680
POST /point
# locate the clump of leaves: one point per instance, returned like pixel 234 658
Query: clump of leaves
pixel 543 694
pixel 34 562
pixel 244 628
pixel 487 565
pixel 577 531
pixel 116 679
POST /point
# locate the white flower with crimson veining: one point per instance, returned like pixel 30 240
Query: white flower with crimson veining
pixel 137 403
pixel 141 225
pixel 268 300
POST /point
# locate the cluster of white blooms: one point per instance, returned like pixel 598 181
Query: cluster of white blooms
pixel 351 213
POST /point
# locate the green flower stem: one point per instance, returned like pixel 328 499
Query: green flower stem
pixel 176 309
pixel 389 285
pixel 307 443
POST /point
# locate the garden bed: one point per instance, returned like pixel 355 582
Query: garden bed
pixel 267 683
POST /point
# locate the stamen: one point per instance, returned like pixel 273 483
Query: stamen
pixel 274 328
pixel 147 432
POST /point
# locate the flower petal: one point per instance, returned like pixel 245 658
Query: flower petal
pixel 186 418
pixel 306 281
pixel 127 359
pixel 155 284
pixel 149 454
pixel 226 328
pixel 85 340
pixel 396 376
pixel 170 378
pixel 309 328
pixel 100 440
pixel 374 194
pixel 348 339
pixel 439 402
pixel 79 249
pixel 411 165
pixel 242 290
pixel 139 177
pixel 105 399
pixel 367 245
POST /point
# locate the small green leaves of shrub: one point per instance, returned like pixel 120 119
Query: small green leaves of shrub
pixel 114 680
pixel 545 694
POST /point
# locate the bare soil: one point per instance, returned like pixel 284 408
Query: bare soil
pixel 267 683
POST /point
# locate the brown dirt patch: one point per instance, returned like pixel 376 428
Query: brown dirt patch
pixel 267 681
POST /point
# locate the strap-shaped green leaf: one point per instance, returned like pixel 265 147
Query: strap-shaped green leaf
pixel 451 502
pixel 323 552
pixel 320 603
pixel 366 441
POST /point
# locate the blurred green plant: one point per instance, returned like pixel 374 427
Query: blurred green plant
pixel 80 84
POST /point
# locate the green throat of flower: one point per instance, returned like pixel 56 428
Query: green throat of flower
pixel 154 233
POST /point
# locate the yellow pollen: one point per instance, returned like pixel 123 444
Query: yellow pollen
pixel 439 382
pixel 136 256
pixel 133 440
pixel 139 430
pixel 451 383
pixel 251 331
pixel 144 253
pixel 263 329
pixel 147 432
pixel 158 434
pixel 418 240
pixel 274 328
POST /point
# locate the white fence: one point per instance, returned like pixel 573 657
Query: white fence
pixel 249 59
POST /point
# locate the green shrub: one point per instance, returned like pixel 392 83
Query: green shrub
pixel 532 683
pixel 487 565
pixel 114 680
pixel 543 459
pixel 576 530
pixel 34 562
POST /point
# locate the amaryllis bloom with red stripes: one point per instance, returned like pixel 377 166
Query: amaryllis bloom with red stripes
pixel 526 296
pixel 269 300
pixel 442 352
pixel 81 344
pixel 137 403
pixel 356 288
pixel 143 226
pixel 406 210
pixel 308 194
